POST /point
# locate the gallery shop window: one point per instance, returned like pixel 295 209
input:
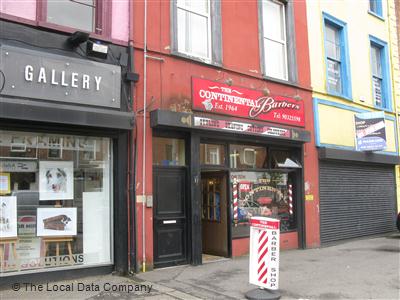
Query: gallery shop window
pixel 168 151
pixel 375 7
pixel 381 90
pixel 277 39
pixel 86 15
pixel 56 201
pixel 337 57
pixel 197 29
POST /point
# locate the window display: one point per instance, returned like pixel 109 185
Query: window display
pixel 56 201
pixel 266 194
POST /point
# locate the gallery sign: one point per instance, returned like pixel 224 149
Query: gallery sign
pixel 221 98
pixel 370 131
pixel 46 76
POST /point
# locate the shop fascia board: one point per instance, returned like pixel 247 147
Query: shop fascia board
pixel 170 119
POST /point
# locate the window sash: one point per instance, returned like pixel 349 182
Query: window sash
pixel 188 36
pixel 283 42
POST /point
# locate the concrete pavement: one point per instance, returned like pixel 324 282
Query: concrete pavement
pixel 359 269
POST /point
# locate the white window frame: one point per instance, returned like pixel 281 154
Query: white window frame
pixel 209 33
pixel 282 42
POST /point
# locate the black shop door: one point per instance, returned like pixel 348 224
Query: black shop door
pixel 170 216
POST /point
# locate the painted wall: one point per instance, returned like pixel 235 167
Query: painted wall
pixel 26 10
pixel 360 24
pixel 169 87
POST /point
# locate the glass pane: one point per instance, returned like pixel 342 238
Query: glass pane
pixel 168 152
pixel 332 42
pixel 199 6
pixel 244 157
pixel 60 188
pixel 373 6
pixel 267 194
pixel 192 34
pixel 377 90
pixel 376 61
pixel 72 14
pixel 273 20
pixel 275 59
pixel 334 76
pixel 211 154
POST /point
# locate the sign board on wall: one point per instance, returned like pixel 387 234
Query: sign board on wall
pixel 223 99
pixel 42 75
pixel 264 252
pixel 370 131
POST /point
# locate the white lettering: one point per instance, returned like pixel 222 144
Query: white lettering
pixel 74 80
pixel 85 81
pixel 53 77
pixel 28 73
pixel 42 75
pixel 63 83
pixel 97 79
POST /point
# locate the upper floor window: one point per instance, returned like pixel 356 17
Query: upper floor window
pixel 380 74
pixel 375 7
pixel 336 56
pixel 277 39
pixel 197 29
pixel 274 39
pixel 85 15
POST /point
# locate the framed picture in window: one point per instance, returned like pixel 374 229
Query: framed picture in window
pixel 8 217
pixel 5 183
pixel 87 149
pixel 56 180
pixel 56 221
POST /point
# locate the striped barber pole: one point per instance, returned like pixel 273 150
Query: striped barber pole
pixel 290 195
pixel 235 200
pixel 262 270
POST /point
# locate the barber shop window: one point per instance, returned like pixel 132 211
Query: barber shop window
pixel 55 201
pixel 245 156
pixel 212 154
pixel 85 15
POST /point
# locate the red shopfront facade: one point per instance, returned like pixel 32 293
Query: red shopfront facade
pixel 238 154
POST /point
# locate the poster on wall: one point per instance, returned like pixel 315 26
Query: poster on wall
pixel 5 183
pixel 56 180
pixel 370 131
pixel 56 221
pixel 8 217
pixel 216 97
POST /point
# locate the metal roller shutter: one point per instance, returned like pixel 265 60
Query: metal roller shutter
pixel 355 200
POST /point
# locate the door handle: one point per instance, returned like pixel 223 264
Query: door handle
pixel 169 222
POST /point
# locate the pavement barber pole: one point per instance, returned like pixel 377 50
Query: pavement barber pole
pixel 264 258
pixel 235 202
pixel 290 195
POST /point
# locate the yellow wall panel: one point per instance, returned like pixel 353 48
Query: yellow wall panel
pixel 336 126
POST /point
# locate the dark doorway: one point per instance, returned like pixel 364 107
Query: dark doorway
pixel 170 216
pixel 214 214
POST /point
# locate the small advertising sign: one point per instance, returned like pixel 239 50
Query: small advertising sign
pixel 264 252
pixel 236 101
pixel 370 131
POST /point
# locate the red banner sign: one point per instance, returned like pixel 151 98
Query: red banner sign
pixel 221 98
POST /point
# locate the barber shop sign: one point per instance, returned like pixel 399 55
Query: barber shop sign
pixel 215 97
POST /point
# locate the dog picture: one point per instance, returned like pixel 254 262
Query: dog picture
pixel 59 221
pixel 56 180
